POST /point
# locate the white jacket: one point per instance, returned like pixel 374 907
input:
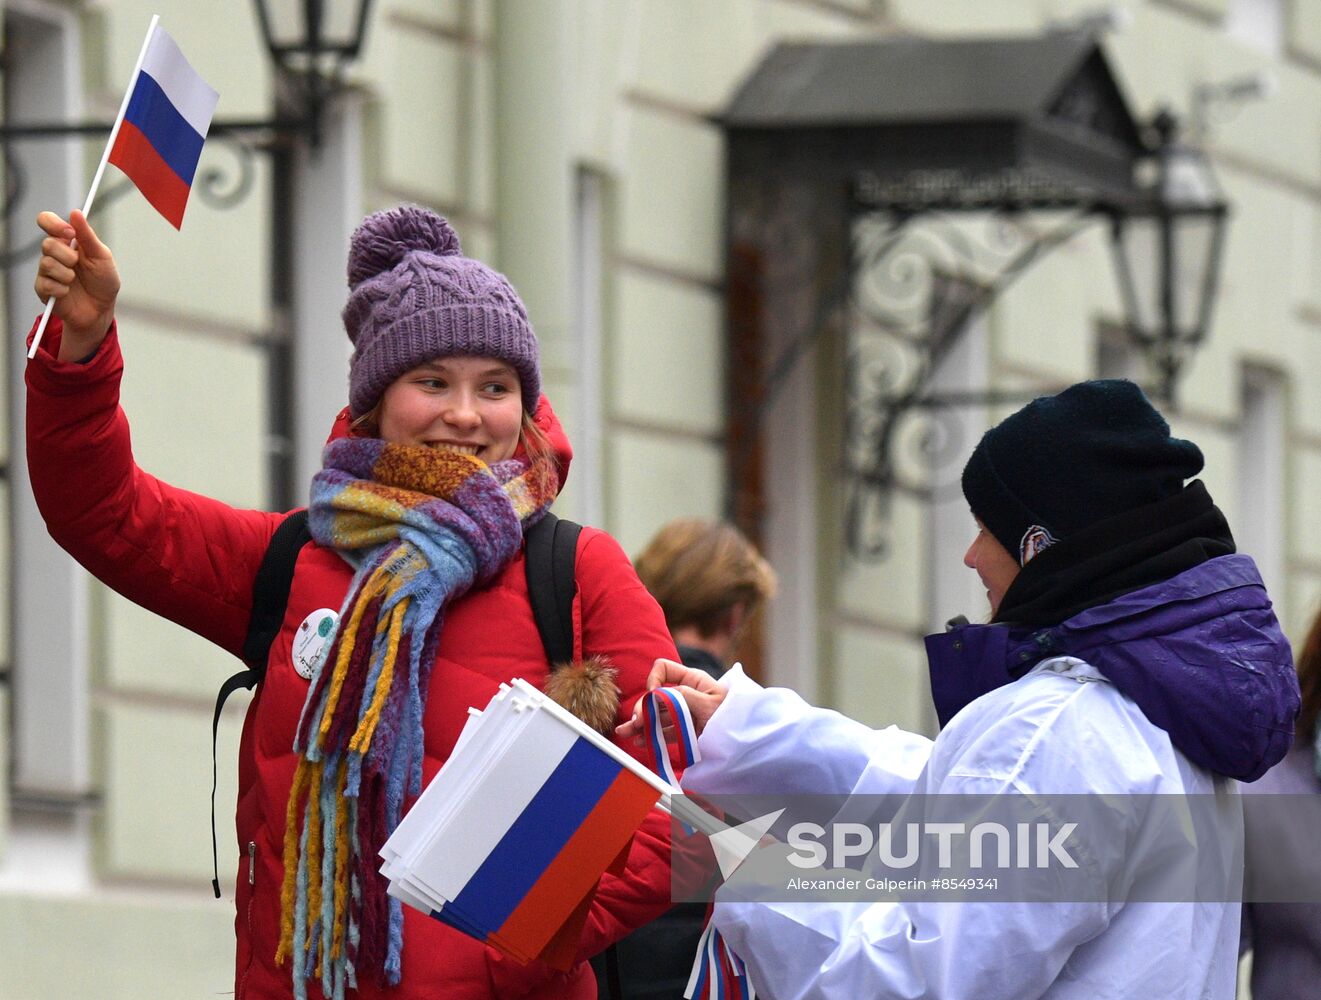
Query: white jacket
pixel 1062 728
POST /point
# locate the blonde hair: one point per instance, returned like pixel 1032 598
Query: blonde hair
pixel 534 441
pixel 367 423
pixel 699 570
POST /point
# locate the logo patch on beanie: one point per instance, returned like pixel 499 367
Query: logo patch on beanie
pixel 1035 541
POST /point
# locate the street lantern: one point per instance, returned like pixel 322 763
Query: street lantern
pixel 1167 252
pixel 311 41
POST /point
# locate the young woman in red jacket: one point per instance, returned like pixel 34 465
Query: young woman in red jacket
pixel 446 453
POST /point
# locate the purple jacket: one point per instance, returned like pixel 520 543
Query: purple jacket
pixel 1201 654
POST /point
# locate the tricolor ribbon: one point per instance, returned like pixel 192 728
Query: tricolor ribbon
pixel 683 724
pixel 718 974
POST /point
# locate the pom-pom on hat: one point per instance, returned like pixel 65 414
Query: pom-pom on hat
pixel 414 297
pixel 1065 462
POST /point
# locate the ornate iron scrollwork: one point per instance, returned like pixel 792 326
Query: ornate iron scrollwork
pixel 16 179
pixel 917 280
pixel 222 184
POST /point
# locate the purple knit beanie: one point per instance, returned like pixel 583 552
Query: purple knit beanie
pixel 413 297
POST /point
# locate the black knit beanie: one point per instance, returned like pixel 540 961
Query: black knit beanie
pixel 1064 462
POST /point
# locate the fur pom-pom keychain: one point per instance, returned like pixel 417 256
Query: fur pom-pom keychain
pixel 587 688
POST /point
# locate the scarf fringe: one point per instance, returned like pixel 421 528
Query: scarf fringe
pixel 422 527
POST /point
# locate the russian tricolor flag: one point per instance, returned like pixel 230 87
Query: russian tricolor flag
pixel 166 117
pixel 508 841
pixel 548 860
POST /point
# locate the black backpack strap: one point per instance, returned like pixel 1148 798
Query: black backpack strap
pixel 270 598
pixel 270 590
pixel 552 550
pixel 552 554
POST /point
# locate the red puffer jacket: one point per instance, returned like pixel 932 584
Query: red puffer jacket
pixel 193 560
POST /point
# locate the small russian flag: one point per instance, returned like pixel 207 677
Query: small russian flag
pixel 508 841
pixel 547 862
pixel 166 118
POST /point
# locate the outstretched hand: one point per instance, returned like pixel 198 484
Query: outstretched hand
pixel 702 693
pixel 81 277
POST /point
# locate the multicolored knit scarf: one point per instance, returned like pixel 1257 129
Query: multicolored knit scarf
pixel 421 527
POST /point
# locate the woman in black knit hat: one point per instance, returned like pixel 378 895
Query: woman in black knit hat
pixel 1132 660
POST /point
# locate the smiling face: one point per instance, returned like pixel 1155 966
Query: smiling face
pixel 465 404
pixel 994 565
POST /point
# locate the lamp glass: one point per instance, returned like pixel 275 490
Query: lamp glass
pixel 339 22
pixel 290 27
pixel 1137 248
pixel 285 17
pixel 1191 192
pixel 1194 251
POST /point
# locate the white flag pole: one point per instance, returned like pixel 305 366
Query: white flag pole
pixel 100 170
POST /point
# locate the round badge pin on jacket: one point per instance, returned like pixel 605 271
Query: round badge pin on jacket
pixel 312 641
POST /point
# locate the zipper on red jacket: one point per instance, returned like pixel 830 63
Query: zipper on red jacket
pixel 242 990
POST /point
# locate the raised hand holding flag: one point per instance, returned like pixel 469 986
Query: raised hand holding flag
pixel 157 137
pixel 77 274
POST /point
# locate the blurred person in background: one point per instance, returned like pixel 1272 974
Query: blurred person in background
pixel 710 581
pixel 1285 937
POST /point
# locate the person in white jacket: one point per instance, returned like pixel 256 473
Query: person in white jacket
pixel 1131 652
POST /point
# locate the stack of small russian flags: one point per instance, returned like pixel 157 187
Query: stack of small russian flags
pixel 509 840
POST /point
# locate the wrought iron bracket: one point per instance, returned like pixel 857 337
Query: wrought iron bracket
pixel 920 271
pixel 919 278
pixel 220 185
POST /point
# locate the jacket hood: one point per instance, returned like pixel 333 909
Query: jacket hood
pixel 1201 653
pixel 544 418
